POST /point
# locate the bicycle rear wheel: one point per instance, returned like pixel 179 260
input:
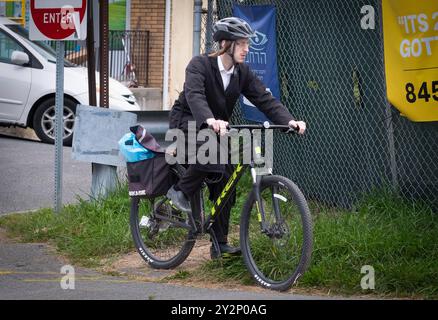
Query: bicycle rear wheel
pixel 162 235
pixel 277 257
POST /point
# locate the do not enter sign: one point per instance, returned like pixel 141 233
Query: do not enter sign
pixel 58 20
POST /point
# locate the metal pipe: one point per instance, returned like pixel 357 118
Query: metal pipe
pixel 389 122
pixel 104 177
pixel 128 15
pixel 166 56
pixel 197 12
pixel 90 57
pixel 147 56
pixel 104 55
pixel 59 123
pixel 209 33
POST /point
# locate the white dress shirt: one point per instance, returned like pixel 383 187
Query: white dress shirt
pixel 225 74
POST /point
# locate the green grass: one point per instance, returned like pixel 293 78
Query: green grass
pixel 85 232
pixel 180 275
pixel 397 238
pixel 117 15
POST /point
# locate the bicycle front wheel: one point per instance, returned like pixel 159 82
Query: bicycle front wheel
pixel 278 254
pixel 161 234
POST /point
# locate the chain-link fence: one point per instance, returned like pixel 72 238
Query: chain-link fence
pixel 331 75
pixel 204 33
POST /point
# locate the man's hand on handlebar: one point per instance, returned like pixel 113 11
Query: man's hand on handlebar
pixel 299 126
pixel 219 126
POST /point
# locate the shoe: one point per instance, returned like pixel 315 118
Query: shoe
pixel 225 249
pixel 178 200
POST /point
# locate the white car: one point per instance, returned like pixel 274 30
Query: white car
pixel 28 85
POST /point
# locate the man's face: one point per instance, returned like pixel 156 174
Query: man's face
pixel 241 49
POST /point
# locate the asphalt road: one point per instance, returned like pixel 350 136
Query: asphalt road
pixel 31 272
pixel 27 171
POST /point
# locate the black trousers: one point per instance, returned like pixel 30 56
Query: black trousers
pixel 190 184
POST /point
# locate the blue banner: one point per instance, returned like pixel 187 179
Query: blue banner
pixel 262 56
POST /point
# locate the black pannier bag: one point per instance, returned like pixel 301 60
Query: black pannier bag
pixel 149 178
pixel 152 177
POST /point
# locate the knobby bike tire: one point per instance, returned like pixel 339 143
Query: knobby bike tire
pixel 276 260
pixel 162 244
pixel 163 250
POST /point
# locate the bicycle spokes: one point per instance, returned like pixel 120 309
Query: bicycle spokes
pixel 163 231
pixel 275 246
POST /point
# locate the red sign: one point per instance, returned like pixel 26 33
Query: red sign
pixel 58 20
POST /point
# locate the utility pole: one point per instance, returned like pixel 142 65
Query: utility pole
pixel 104 177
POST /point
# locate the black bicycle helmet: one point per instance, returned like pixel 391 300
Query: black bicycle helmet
pixel 232 28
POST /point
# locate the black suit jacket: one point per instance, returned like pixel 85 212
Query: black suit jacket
pixel 204 97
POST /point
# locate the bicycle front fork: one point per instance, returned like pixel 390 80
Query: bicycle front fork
pixel 257 179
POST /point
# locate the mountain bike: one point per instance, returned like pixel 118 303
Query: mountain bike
pixel 275 226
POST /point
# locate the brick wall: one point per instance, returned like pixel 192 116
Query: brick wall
pixel 149 15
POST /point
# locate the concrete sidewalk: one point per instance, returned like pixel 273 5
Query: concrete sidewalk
pixel 33 272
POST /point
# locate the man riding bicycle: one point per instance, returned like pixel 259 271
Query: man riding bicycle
pixel 212 86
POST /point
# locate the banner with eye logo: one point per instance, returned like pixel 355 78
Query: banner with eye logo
pixel 262 56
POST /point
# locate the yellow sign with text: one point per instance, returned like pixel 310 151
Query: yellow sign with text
pixel 410 33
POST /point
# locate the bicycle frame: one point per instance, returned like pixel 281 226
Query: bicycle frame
pixel 225 194
pixel 231 186
pixel 274 202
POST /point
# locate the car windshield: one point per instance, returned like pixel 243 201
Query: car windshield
pixel 42 47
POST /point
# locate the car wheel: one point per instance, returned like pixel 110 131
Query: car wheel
pixel 44 121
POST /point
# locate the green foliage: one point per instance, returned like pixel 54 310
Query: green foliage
pixel 117 15
pixel 396 237
pixel 180 275
pixel 228 268
pixel 84 232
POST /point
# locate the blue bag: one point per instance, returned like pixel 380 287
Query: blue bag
pixel 132 150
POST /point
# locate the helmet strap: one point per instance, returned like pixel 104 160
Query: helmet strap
pixel 230 52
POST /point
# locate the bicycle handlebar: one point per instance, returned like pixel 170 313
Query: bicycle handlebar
pixel 266 125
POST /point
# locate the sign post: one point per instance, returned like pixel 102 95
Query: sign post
pixel 60 21
pixel 59 123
